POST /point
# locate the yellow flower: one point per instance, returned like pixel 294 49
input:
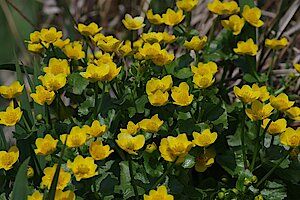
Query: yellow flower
pixel 14 90
pixel 275 127
pixel 96 129
pixel 131 129
pixel 50 35
pixel 149 51
pixel 205 138
pixel 101 72
pixel 172 18
pixel 125 49
pixel 160 194
pixel 225 8
pixel 8 159
pixel 67 195
pixel 61 43
pixel 76 138
pixel 158 98
pixel 203 81
pixel 246 94
pixel 152 125
pixel 281 102
pixel 138 44
pixel 205 68
pixel 99 151
pixel 35 196
pixel 297 67
pixel 163 58
pixel 63 178
pixel 35 37
pixel 35 48
pixel 74 50
pixel 196 43
pixel 264 94
pixel 30 172
pixel 45 146
pixel 181 95
pixel 155 84
pixel 53 82
pixel 293 113
pixel 234 24
pixel 151 147
pixel 290 137
pixel 152 37
pixel 246 48
pixel 205 160
pixel 259 111
pixel 11 116
pixel 129 143
pixel 108 43
pixel 168 38
pixel 88 30
pixel 172 148
pixel 83 168
pixel 42 96
pixel 57 66
pixel 252 15
pixel 133 23
pixel 186 5
pixel 154 18
pixel 276 44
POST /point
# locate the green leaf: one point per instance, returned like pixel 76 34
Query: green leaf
pixel 85 106
pixel 183 73
pixel 3 143
pixel 249 78
pixel 274 191
pixel 189 162
pixel 78 83
pixel 12 67
pixel 152 165
pixel 20 186
pixel 140 103
pixel 243 174
pixel 51 194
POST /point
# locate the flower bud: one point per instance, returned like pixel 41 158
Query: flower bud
pixel 30 172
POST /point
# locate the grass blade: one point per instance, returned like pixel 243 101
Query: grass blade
pixel 20 186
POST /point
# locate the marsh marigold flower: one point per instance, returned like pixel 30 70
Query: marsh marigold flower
pixel 125 49
pixel 133 23
pixel 9 158
pixel 196 43
pixel 35 47
pixel 203 81
pixel 45 146
pixel 107 43
pixel 49 36
pixel 149 51
pixel 152 125
pixel 42 96
pixel 163 58
pixel 205 68
pixel 82 168
pixel 74 50
pixel 130 143
pixel 57 66
pixel 101 72
pixel 155 84
pixel 259 111
pixel 88 30
pixel 14 90
pixel 246 94
pixel 151 147
pixel 205 138
pixel 252 15
pixel 281 102
pixel 172 18
pixel 76 138
pixel 264 94
pixel 95 130
pixel 152 37
pixel 293 113
pixel 161 193
pixel 63 179
pixel 172 148
pixel 291 137
pixel 131 129
pixel 234 24
pixel 205 160
pixel 181 95
pixel 30 172
pixel 158 98
pixel 64 195
pixel 35 196
pixel 186 5
pixel 168 38
pixel 61 43
pixel 154 18
pixel 276 44
pixel 297 67
pixel 53 82
pixel 98 151
pixel 275 127
pixel 223 8
pixel 10 116
pixel 246 48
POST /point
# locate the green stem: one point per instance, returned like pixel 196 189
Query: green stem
pixel 163 176
pixel 271 65
pixel 188 23
pixel 211 33
pixel 96 92
pixel 273 169
pixel 256 148
pixel 52 47
pixel 285 86
pixel 243 137
pixel 98 103
pixel 136 194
